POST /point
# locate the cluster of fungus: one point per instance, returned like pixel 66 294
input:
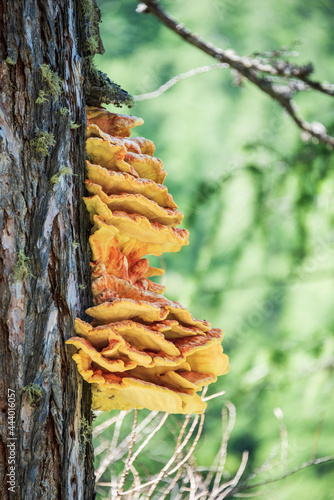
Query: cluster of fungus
pixel 141 349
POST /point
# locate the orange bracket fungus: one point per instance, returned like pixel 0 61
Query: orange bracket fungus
pixel 141 349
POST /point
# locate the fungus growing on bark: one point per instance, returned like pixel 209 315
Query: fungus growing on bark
pixel 141 349
pixel 137 203
pixel 112 182
pixel 135 234
pixel 113 123
pixel 137 334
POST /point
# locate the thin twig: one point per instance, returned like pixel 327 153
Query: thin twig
pixel 193 446
pixel 317 461
pixel 106 460
pixel 171 485
pixel 201 487
pixel 267 464
pixel 104 464
pixel 193 483
pixel 258 71
pixel 128 460
pixel 149 437
pixel 235 480
pixel 108 423
pixel 213 396
pixel 136 479
pixel 228 421
pixel 183 76
pixel 179 448
pixel 101 447
pixel 116 452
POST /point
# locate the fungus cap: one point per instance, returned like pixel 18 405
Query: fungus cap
pixel 112 123
pixel 119 309
pixel 105 249
pixel 113 182
pixel 147 167
pixel 123 309
pixel 146 146
pixel 173 330
pixel 109 155
pixel 137 203
pixel 118 363
pixel 137 236
pixel 135 393
pixel 139 145
pixel 117 391
pixel 187 379
pixel 137 334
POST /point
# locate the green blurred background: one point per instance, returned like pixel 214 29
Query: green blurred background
pixel 258 202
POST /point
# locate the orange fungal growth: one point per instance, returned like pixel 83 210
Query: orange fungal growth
pixel 112 123
pixel 141 350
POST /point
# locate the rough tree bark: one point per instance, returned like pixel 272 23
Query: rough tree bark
pixel 42 219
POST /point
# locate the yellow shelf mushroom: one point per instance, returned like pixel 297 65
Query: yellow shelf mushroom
pixel 141 349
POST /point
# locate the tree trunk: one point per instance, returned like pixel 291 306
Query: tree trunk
pixel 45 438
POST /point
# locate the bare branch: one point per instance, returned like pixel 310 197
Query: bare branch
pixel 149 437
pixel 261 72
pixel 317 461
pixel 137 481
pixel 178 78
pixel 105 425
pixel 171 485
pixel 128 460
pixel 228 420
pixel 231 484
pixel 213 396
pixel 182 471
pixel 117 451
pixel 105 462
pixel 193 446
pixel 178 449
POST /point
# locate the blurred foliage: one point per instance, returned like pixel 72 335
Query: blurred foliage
pixel 259 206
